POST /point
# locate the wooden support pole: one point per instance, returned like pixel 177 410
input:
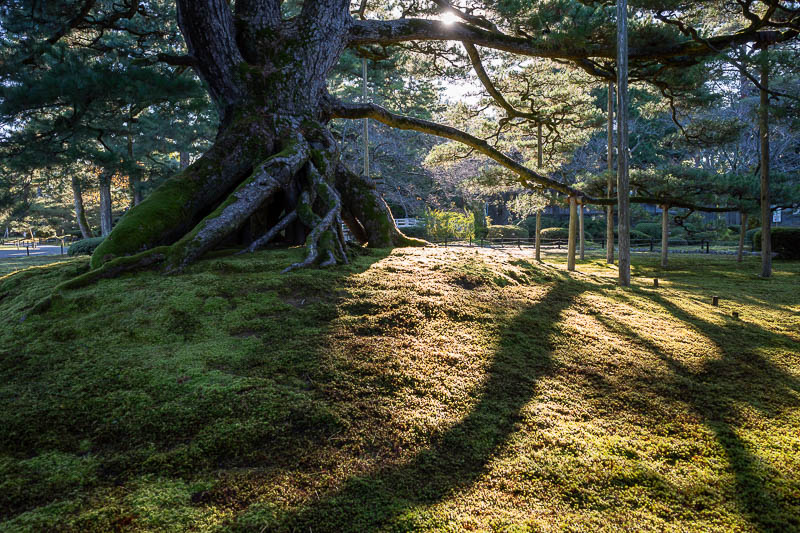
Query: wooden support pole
pixel 610 181
pixel 664 235
pixel 623 183
pixel 539 162
pixel 573 223
pixel 366 120
pixel 582 234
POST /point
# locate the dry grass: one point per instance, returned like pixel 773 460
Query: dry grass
pixel 422 389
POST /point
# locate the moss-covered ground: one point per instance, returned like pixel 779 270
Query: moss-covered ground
pixel 419 389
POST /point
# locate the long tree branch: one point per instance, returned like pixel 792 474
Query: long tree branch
pixel 527 176
pixel 376 112
pixel 363 32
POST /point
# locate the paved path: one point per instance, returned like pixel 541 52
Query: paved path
pixel 10 251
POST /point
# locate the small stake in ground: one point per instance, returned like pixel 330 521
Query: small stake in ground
pixel 715 301
pixel 655 282
pixel 735 314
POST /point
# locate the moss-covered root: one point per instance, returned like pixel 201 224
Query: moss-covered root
pixel 267 179
pixel 111 269
pixel 273 232
pixel 176 206
pixel 324 239
pixel 363 201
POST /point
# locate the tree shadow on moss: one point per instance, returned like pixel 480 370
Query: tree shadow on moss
pixel 456 458
pixel 740 376
pixel 82 411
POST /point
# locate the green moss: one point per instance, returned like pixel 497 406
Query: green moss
pixel 404 391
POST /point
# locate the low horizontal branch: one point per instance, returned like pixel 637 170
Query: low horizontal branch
pixel 375 112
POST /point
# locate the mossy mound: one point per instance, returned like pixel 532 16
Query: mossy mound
pixel 401 392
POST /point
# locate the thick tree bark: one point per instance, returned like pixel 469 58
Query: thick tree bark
pixel 105 204
pixel 766 208
pixel 664 235
pixel 742 234
pixel 610 179
pixel 623 198
pixel 80 214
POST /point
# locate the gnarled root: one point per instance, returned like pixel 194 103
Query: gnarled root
pixel 323 235
pixel 270 177
pixel 373 219
pixel 306 167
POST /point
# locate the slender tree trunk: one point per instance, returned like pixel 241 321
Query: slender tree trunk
pixel 766 208
pixel 105 204
pixel 573 222
pixel 80 214
pixel 742 234
pixel 610 183
pixel 184 157
pixel 664 235
pixel 582 233
pixel 623 198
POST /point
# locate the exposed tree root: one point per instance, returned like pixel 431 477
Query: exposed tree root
pixel 323 225
pixel 270 177
pixel 306 168
pixel 272 233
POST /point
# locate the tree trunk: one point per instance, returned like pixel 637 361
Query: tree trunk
pixel 184 159
pixel 610 179
pixel 766 208
pixel 105 204
pixel 581 232
pixel 664 235
pixel 274 162
pixel 573 204
pixel 623 198
pixel 80 214
pixel 742 234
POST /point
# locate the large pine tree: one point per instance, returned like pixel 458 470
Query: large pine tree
pixel 266 70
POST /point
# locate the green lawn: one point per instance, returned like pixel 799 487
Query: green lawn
pixel 419 389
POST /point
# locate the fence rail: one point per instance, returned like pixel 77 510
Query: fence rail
pixel 637 245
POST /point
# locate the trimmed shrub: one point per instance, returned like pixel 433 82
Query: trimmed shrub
pixel 507 232
pixel 418 232
pixel 639 237
pixel 84 246
pixel 677 241
pixel 785 242
pixel 652 229
pixel 748 235
pixel 555 233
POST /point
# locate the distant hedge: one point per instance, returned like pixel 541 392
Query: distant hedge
pixel 652 229
pixel 507 232
pixel 419 232
pixel 554 233
pixel 785 242
pixel 84 246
